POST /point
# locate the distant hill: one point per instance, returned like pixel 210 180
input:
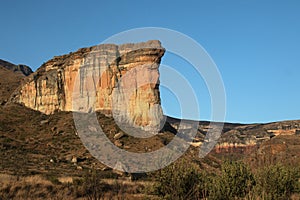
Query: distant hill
pixel 22 69
pixel 9 81
pixel 10 78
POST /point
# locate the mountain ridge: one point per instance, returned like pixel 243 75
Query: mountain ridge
pixel 20 68
pixel 33 143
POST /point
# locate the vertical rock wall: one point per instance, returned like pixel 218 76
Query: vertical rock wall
pixel 123 80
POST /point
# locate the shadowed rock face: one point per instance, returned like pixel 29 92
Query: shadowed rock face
pixel 116 79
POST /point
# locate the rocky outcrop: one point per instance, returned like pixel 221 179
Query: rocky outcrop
pixel 22 69
pixel 242 148
pixel 121 80
pixel 247 138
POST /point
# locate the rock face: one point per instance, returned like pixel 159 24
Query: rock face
pixel 120 80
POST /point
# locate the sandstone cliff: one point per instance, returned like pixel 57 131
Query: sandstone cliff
pixel 118 79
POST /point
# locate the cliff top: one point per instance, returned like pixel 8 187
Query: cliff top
pixel 121 49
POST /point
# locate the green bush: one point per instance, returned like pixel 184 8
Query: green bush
pixel 183 180
pixel 236 180
pixel 277 182
pixel 180 181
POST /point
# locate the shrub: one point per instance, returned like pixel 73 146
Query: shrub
pixel 92 186
pixel 183 180
pixel 180 181
pixel 236 180
pixel 277 182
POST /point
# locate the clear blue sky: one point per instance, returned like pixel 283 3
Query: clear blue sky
pixel 255 44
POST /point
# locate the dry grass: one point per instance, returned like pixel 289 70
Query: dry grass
pixel 37 187
pixel 6 180
pixel 32 187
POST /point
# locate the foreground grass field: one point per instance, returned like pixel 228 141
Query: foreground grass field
pixel 181 180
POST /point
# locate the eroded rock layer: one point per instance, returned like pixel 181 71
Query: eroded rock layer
pixel 116 79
